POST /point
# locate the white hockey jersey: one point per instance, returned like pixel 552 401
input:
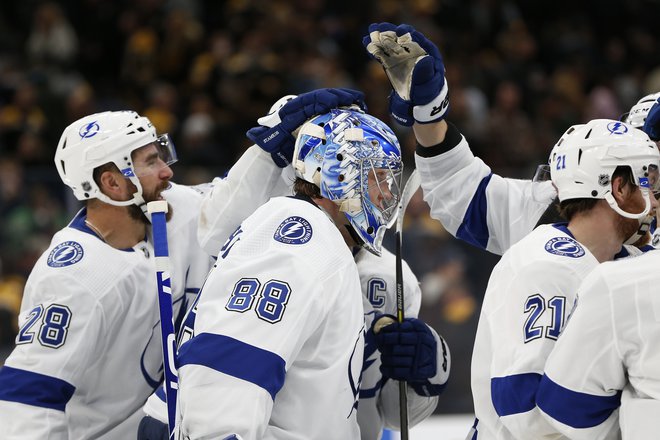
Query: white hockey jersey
pixel 250 183
pixel 477 206
pixel 278 334
pixel 529 296
pixel 611 347
pixel 88 350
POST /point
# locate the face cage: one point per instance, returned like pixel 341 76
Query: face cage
pixel 373 219
pixel 166 157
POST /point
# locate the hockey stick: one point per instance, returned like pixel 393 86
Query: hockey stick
pixel 409 190
pixel 157 210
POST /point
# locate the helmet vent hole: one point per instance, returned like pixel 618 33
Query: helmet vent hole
pixel 588 134
pixel 130 132
pixel 579 156
pixel 64 144
pixel 63 167
pixel 141 129
pixel 370 230
pixel 318 169
pixel 340 157
pixel 323 141
pixel 374 143
pixel 340 178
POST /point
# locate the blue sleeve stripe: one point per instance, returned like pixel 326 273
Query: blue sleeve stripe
pixel 575 409
pixel 235 358
pixel 474 228
pixel 514 394
pixel 160 393
pixel 34 389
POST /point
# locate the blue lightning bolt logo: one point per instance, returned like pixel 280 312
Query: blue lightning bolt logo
pixel 293 230
pixel 65 254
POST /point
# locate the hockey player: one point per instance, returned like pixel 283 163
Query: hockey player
pixel 252 181
pixel 611 347
pixel 88 349
pixel 88 352
pixel 287 336
pixel 473 204
pixel 415 69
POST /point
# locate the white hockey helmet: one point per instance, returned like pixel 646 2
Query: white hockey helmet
pixel 583 161
pixel 343 152
pixel 638 112
pixel 102 138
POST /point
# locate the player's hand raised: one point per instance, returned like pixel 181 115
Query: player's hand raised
pixel 275 134
pixel 415 69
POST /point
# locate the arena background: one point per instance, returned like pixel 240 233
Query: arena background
pixel 520 73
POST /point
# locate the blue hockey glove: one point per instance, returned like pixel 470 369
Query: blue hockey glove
pixel 652 122
pixel 152 429
pixel 408 350
pixel 275 134
pixel 415 69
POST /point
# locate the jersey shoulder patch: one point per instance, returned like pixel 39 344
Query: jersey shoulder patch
pixel 65 254
pixel 293 230
pixel 564 247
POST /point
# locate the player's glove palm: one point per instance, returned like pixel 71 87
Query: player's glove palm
pixel 652 122
pixel 275 134
pixel 415 69
pixel 408 350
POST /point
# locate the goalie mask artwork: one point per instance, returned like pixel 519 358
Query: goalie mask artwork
pixel 355 160
pixel 106 137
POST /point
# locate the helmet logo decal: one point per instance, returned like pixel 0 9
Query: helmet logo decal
pixel 128 172
pixel 89 130
pixel 293 230
pixel 65 254
pixel 644 182
pixel 617 128
pixel 565 247
pixel 603 180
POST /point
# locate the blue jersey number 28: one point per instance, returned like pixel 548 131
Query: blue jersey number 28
pixel 52 331
pixel 271 303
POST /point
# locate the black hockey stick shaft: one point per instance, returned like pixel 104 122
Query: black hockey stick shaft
pixel 409 190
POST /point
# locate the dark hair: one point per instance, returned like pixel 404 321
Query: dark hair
pixel 305 188
pixel 96 174
pixel 570 208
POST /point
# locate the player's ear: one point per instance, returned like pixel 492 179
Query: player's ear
pixel 621 188
pixel 112 183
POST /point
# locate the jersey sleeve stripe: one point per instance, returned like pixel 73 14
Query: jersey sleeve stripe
pixel 34 389
pixel 575 409
pixel 235 358
pixel 474 228
pixel 514 394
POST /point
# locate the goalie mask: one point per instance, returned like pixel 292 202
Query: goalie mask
pixel 583 161
pixel 106 137
pixel 355 160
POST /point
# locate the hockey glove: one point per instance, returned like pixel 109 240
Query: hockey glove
pixel 652 122
pixel 408 350
pixel 275 134
pixel 415 69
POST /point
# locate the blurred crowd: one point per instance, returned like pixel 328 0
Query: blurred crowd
pixel 519 73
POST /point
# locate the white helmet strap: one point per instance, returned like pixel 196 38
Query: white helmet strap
pixel 639 216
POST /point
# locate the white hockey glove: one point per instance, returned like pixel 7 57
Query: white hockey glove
pixel 415 69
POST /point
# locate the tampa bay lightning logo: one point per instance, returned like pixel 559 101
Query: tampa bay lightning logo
pixel 564 246
pixel 128 172
pixel 617 128
pixel 65 254
pixel 293 230
pixel 89 130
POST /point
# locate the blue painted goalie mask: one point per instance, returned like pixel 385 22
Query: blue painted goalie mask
pixel 355 160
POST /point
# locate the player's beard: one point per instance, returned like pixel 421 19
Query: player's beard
pixel 628 226
pixel 136 212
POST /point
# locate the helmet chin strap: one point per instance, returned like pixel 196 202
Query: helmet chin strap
pixel 639 216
